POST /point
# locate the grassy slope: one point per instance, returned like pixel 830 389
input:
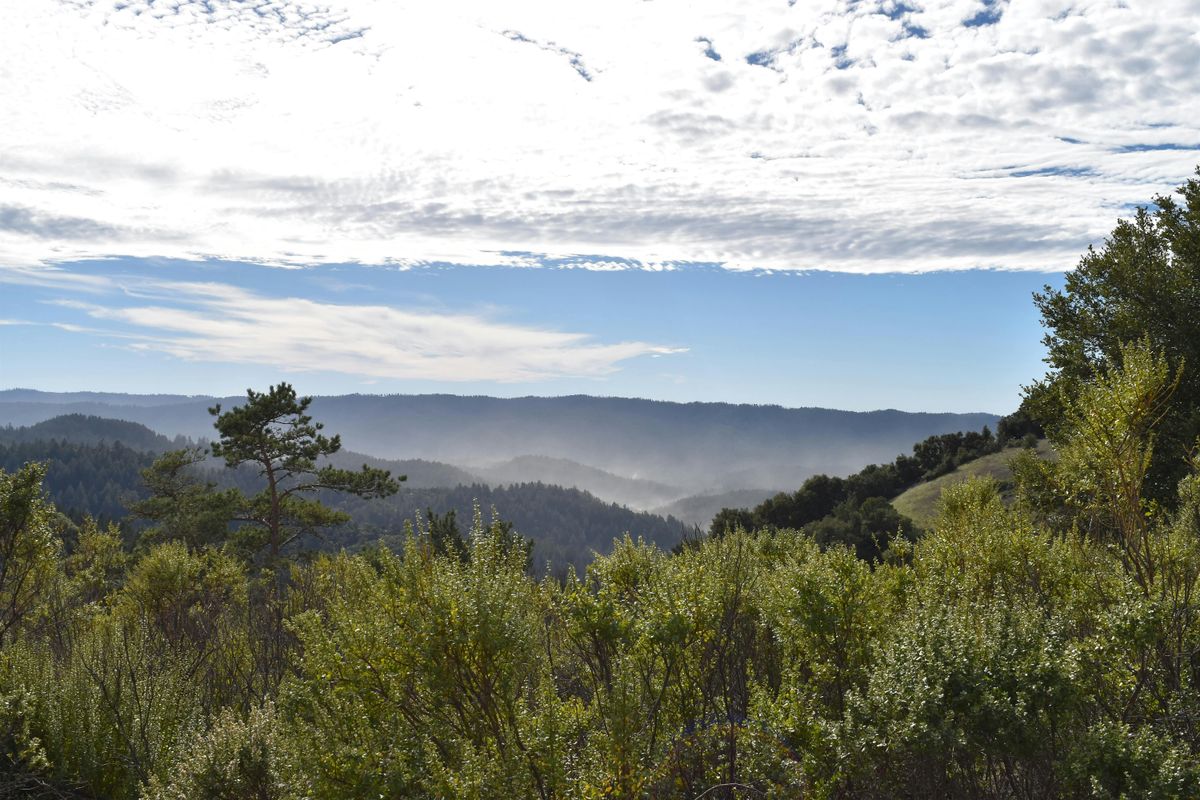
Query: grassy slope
pixel 920 502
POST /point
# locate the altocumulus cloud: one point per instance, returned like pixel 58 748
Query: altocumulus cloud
pixel 222 323
pixel 864 136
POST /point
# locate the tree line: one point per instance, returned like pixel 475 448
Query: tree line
pixel 855 510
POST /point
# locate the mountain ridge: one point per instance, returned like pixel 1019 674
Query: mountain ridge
pixel 19 394
pixel 635 492
pixel 699 447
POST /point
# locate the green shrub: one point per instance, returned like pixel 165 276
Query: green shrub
pixel 232 758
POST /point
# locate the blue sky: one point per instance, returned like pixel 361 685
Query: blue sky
pixel 957 341
pixel 830 202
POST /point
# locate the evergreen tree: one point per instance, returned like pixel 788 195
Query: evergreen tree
pixel 273 433
pixel 183 506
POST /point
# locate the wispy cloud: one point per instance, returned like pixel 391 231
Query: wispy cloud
pixel 54 277
pixel 883 136
pixel 221 323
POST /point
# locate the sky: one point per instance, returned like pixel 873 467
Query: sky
pixel 844 203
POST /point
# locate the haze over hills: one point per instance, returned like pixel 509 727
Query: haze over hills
pixel 701 448
pixel 94 468
pixel 633 492
pixel 699 509
pixel 84 429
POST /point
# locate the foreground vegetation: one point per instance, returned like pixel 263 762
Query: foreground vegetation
pixel 1049 649
pixel 1045 648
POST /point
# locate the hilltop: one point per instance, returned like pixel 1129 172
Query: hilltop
pixel 919 503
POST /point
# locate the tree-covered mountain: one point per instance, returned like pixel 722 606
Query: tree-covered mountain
pixel 633 492
pixel 567 526
pixel 856 510
pixel 700 447
pixel 419 473
pixel 90 429
pixel 83 479
pixel 699 509
pixel 94 469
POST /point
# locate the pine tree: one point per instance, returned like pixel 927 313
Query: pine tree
pixel 274 433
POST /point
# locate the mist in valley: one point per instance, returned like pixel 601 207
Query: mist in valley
pixel 670 458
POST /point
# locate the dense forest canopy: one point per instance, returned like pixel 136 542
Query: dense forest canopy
pixel 1048 647
pixel 90 429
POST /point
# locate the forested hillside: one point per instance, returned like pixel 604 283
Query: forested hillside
pixel 698 447
pixel 700 509
pixel 1045 647
pixel 83 479
pixel 857 510
pixel 82 429
pixel 94 467
pixel 567 526
pixel 634 492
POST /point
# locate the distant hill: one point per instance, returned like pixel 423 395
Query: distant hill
pixel 103 398
pixel 700 447
pixel 85 429
pixel 920 502
pixel 566 525
pixel 700 509
pixel 98 479
pixel 420 474
pixel 641 494
pixel 94 469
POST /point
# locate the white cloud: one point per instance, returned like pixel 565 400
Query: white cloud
pixel 222 323
pixel 400 132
